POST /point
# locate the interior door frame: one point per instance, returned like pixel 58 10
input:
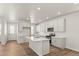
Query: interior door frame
pixel 8 23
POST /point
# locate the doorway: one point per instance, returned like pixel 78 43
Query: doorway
pixel 12 30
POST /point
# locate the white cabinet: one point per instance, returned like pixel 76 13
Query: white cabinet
pixel 58 24
pixel 61 24
pixel 39 45
pixel 55 25
pixel 58 42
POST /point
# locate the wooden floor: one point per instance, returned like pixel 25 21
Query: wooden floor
pixel 54 51
pixel 14 49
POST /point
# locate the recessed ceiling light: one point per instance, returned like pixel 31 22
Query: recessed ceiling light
pixel 38 8
pixel 31 16
pixel 47 17
pixel 59 13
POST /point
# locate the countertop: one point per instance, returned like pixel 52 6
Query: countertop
pixel 59 37
pixel 38 38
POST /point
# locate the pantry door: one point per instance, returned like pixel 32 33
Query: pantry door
pixel 12 31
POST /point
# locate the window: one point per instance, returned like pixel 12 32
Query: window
pixel 12 29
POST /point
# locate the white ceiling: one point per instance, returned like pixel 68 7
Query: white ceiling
pixel 22 11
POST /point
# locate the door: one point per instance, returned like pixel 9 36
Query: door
pixel 12 31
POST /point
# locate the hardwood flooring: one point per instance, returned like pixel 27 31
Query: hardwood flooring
pixel 12 48
pixel 54 51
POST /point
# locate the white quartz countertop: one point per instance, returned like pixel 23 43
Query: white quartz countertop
pixel 38 38
pixel 59 37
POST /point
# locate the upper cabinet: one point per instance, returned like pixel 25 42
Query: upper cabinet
pixel 58 24
pixel 55 24
pixel 61 22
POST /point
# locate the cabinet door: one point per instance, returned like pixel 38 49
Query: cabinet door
pixel 61 24
pixel 55 25
pixel 60 42
pixel 53 41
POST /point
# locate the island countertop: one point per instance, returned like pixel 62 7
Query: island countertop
pixel 38 38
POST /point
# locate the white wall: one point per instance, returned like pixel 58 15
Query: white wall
pixel 72 30
pixel 3 36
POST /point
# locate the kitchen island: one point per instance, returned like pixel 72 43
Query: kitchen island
pixel 40 45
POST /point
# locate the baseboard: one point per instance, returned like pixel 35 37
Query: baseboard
pixel 72 49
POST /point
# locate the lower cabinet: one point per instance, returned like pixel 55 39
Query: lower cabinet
pixel 41 47
pixel 58 42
